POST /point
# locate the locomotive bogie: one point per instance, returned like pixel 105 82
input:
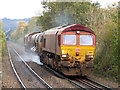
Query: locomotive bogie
pixel 29 40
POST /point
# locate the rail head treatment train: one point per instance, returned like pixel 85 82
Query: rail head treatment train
pixel 68 49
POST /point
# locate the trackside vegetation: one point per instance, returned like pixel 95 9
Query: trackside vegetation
pixel 103 21
pixel 2 41
pixel 2 47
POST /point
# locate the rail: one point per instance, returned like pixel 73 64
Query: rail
pixel 45 83
pixel 14 70
pixel 89 85
pixel 99 84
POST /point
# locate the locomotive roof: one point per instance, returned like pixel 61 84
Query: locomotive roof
pixel 31 34
pixel 65 28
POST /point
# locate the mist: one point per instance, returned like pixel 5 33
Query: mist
pixel 63 18
pixel 32 57
pixel 28 56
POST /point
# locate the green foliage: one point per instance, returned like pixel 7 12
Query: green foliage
pixel 2 41
pixel 60 13
pixel 118 44
pixel 106 60
pixel 18 35
pixel 32 27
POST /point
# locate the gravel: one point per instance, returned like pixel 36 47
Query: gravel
pixel 9 79
pixel 49 77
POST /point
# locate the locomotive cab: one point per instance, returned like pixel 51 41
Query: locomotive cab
pixel 77 51
pixel 79 46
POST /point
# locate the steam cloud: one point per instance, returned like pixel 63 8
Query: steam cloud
pixel 63 18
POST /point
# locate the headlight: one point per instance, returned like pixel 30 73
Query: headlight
pixel 89 56
pixel 65 56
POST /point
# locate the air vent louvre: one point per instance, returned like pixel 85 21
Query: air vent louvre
pixel 77 26
pixel 63 26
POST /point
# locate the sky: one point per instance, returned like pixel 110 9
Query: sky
pixel 105 3
pixel 19 9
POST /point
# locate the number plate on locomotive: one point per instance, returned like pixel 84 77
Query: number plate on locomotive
pixel 77 49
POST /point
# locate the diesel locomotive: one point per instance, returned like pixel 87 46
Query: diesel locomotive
pixel 69 49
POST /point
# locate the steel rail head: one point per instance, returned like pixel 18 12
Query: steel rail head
pixel 106 87
pixel 61 76
pixel 72 82
pixel 90 85
pixel 77 85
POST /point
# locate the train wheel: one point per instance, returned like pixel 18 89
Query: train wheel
pixel 56 67
pixel 43 58
pixel 54 64
pixel 47 60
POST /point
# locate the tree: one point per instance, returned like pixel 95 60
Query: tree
pixel 60 13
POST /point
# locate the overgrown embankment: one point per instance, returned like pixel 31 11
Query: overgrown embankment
pixel 2 41
pixel 2 48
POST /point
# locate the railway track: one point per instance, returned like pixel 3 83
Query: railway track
pixel 30 69
pixel 14 70
pixel 82 83
pixel 92 84
pixel 61 76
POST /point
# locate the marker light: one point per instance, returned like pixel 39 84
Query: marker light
pixel 65 56
pixel 62 51
pixel 78 32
